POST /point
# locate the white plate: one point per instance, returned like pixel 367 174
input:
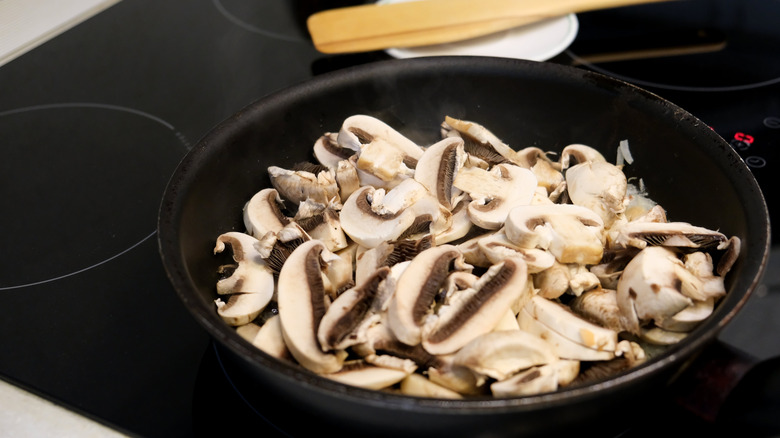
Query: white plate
pixel 536 42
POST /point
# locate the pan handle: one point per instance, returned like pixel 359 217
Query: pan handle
pixel 727 386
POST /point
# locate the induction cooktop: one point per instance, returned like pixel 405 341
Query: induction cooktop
pixel 94 121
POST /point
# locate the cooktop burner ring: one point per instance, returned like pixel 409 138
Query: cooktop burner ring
pixel 59 203
pixel 665 86
pixel 218 4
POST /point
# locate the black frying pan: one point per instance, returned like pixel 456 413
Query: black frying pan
pixel 686 167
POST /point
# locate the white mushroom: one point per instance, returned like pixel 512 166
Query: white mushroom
pixel 537 380
pixel 267 337
pixel 329 153
pixel 477 310
pixel 578 153
pixel 420 386
pixel 302 304
pixel 563 346
pixel 370 217
pixel 495 192
pixel 365 375
pixel 641 234
pixel 499 354
pixel 573 234
pixel 438 167
pixel 599 186
pixel 321 222
pixel 651 288
pixel 417 288
pixel 561 319
pixel 250 285
pixel 263 213
pixel 479 141
pixel 297 186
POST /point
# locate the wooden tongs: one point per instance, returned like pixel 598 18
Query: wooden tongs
pixel 424 22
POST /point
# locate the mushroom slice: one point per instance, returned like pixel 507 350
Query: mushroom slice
pixel 479 141
pixel 477 310
pixel 659 336
pixel 688 318
pixel 651 288
pixel 263 213
pixel 712 286
pixel 267 337
pixel 641 234
pixel 251 284
pixel 495 192
pixel 349 315
pixel 365 375
pixel 564 347
pixel 437 168
pixel 302 304
pixel 579 153
pixel 600 307
pixel 420 386
pixel 545 170
pixel 573 234
pixel 561 319
pixel 599 186
pixel 347 178
pixel 459 226
pixel 329 153
pixel 297 186
pixel 535 380
pixel 497 247
pixel 321 222
pixel 370 217
pixel 360 130
pixel 417 288
pixel 499 354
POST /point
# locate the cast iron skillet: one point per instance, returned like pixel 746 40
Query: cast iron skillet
pixel 686 167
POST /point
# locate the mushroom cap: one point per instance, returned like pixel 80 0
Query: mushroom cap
pixel 302 304
pixel 495 192
pixel 572 233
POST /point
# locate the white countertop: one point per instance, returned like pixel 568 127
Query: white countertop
pixel 23 415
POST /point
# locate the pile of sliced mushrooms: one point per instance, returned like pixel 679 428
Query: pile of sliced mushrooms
pixel 465 267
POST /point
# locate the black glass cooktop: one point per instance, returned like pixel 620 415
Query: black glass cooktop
pixel 93 122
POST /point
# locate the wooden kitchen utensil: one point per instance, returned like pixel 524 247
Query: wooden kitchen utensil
pixel 425 22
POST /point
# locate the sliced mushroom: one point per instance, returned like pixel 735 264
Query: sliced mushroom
pixel 302 304
pixel 495 192
pixel 479 141
pixel 546 171
pixel 651 288
pixel 564 347
pixel 264 213
pixel 348 317
pixel 370 217
pixel 297 186
pixel 250 285
pixel 476 311
pixel 573 234
pixel 321 222
pixel 347 178
pixel 578 153
pixel 417 288
pixel 688 318
pixel 700 265
pixel 599 186
pixel 329 153
pixel 599 306
pixel 673 234
pixel 420 386
pixel 267 337
pixel 496 247
pixel 365 375
pixel 536 380
pixel 659 336
pixel 568 324
pixel 359 130
pixel 499 354
pixel 437 168
pixel 459 226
